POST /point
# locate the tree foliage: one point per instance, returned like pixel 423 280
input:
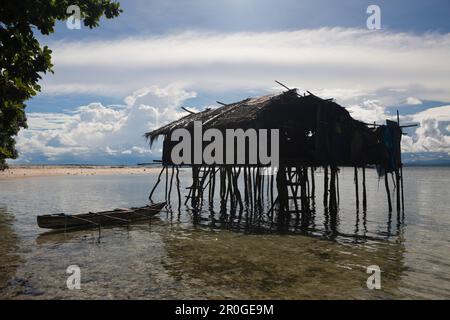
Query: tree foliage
pixel 23 59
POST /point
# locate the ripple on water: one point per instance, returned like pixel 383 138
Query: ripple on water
pixel 217 258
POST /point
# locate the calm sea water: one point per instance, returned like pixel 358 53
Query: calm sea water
pixel 214 256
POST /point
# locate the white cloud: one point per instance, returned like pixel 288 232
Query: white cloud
pixel 349 60
pixel 368 111
pixel 413 101
pixel 95 132
pixel 438 113
pixel 433 133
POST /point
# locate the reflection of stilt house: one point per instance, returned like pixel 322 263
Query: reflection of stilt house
pixel 313 132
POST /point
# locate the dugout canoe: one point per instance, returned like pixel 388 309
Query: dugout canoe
pixel 98 219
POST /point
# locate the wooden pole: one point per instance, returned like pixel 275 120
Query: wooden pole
pixel 333 205
pixel 356 188
pixel 236 186
pixel 222 190
pixel 245 185
pixel 167 181
pixel 271 188
pixel 401 168
pixel 255 188
pixel 213 187
pixel 364 188
pixel 250 187
pixel 156 184
pixel 306 178
pixel 229 191
pixel 397 188
pixel 170 186
pixel 401 183
pixel 294 190
pixel 325 186
pixel 195 182
pixel 386 184
pixel 282 189
pixel 209 183
pixel 337 188
pixel 178 187
pixel 258 185
pixel 313 183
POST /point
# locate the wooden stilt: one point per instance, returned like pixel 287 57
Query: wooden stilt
pixel 170 185
pixel 210 184
pixel 236 187
pixel 258 186
pixel 308 188
pixel 356 187
pixel 222 185
pixel 397 189
pixel 178 187
pixel 401 184
pixel 271 189
pixel 294 187
pixel 401 169
pixel 229 192
pixel 213 186
pixel 304 189
pixel 195 183
pixel 250 187
pixel 313 183
pixel 333 205
pixel 167 181
pixel 364 188
pixel 338 194
pixel 245 185
pixel 156 184
pixel 255 189
pixel 386 184
pixel 282 189
pixel 325 186
pixel 262 181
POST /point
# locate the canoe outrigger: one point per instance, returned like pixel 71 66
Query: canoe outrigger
pixel 98 219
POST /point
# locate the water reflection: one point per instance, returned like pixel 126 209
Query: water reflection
pixel 93 234
pixel 274 266
pixel 243 253
pixel 218 252
pixel 249 221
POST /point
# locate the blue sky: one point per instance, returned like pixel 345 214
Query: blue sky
pixel 144 17
pixel 132 74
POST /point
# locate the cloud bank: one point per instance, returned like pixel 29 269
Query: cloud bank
pixel 102 134
pixel 315 59
pixel 433 134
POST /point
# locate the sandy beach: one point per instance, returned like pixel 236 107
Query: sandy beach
pixel 16 172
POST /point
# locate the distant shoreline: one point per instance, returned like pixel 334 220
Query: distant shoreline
pixel 439 165
pixel 27 171
pixel 44 170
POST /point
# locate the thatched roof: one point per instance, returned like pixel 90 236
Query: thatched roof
pixel 248 113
